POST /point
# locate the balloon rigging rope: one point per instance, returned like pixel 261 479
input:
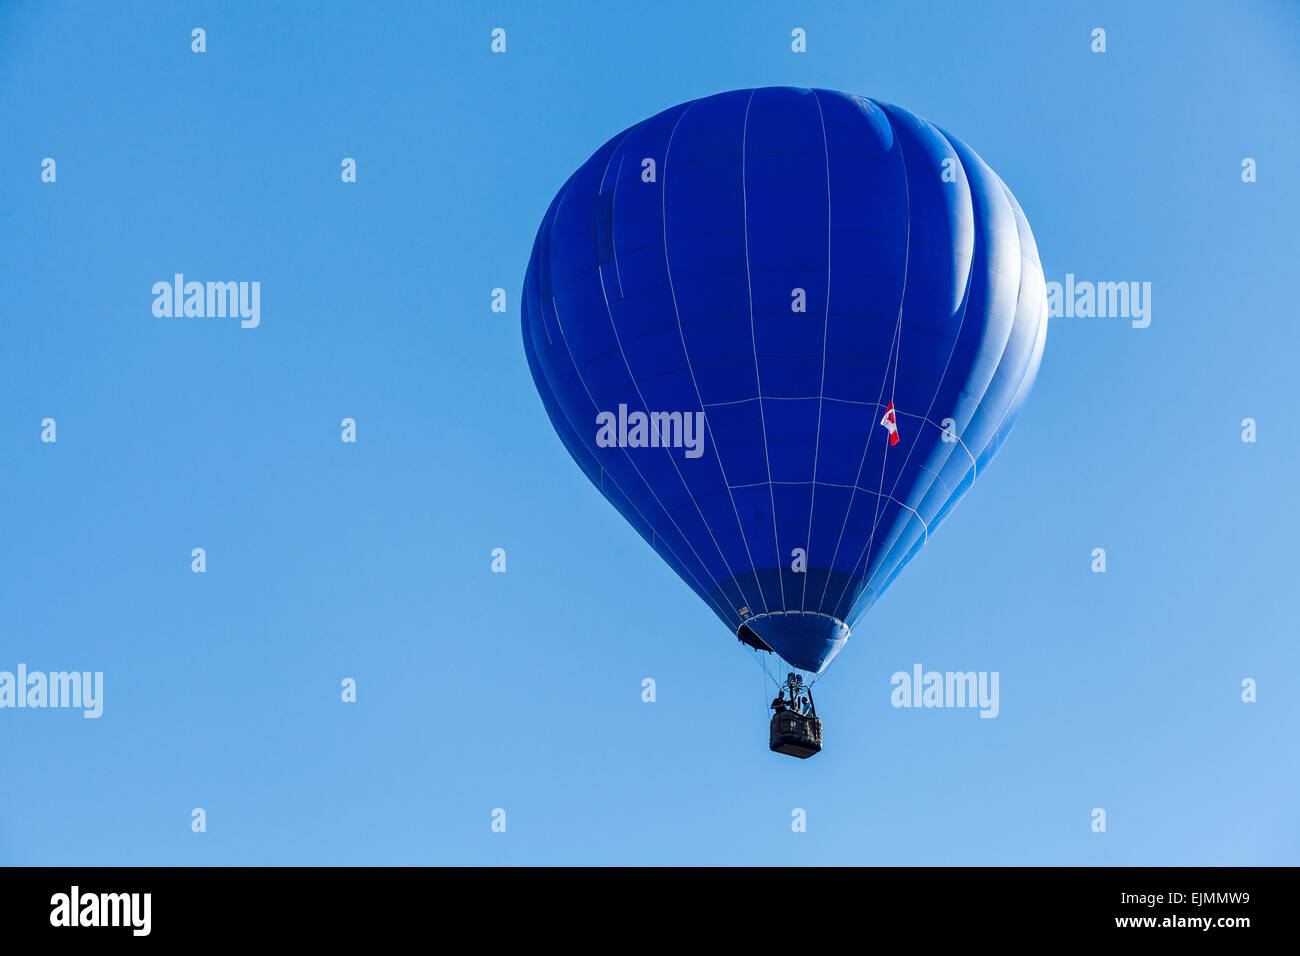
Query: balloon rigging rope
pixel 938 390
pixel 895 353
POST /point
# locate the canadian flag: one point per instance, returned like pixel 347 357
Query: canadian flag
pixel 891 423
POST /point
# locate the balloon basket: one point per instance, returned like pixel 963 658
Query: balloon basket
pixel 798 735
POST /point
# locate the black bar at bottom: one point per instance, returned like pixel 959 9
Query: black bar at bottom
pixel 383 904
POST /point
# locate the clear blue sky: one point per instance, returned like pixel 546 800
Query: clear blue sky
pixel 523 690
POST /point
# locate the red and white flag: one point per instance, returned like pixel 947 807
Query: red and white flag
pixel 891 423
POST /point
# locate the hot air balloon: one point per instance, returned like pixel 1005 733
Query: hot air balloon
pixel 783 331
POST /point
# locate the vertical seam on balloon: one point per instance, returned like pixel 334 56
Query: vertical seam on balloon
pixel 884 460
pixel 528 325
pixel 758 382
pixel 618 341
pixel 592 398
pixel 677 468
pixel 960 492
pixel 613 205
pixel 729 618
pixel 600 190
pixel 865 557
pixel 884 465
pixel 717 451
pixel 541 311
pixel 612 200
pixel 821 388
pixel 907 252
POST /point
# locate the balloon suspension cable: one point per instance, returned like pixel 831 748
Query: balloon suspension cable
pixel 777 670
pixel 763 659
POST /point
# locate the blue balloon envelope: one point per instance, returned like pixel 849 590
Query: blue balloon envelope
pixel 783 331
